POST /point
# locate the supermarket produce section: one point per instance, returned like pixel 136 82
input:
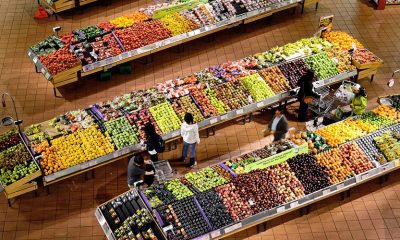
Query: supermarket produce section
pixel 65 59
pixel 84 139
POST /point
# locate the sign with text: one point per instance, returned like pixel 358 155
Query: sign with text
pixel 325 24
pixel 276 159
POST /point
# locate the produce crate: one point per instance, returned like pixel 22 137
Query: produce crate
pixel 366 65
pixel 63 5
pixel 27 187
pixel 66 77
pixel 366 73
pixel 15 186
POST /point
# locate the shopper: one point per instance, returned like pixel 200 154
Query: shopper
pixel 305 94
pixel 154 142
pixel 140 169
pixel 190 135
pixel 278 126
pixel 359 101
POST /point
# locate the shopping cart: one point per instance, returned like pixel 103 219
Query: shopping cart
pixel 329 107
pixel 163 171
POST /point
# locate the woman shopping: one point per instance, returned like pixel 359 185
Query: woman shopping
pixel 190 135
pixel 359 101
pixel 154 143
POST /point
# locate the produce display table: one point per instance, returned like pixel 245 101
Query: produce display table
pixel 362 175
pixel 74 72
pixel 84 139
pixel 306 3
pixel 64 5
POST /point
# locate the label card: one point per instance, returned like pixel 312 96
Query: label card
pixel 240 111
pixel 326 191
pixel 294 204
pixel 233 228
pixel 260 104
pixel 340 186
pixel 223 117
pixel 215 234
pixel 280 209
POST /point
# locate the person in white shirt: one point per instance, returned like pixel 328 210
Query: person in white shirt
pixel 278 126
pixel 190 135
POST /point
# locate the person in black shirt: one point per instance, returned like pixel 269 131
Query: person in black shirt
pixel 306 93
pixel 152 141
pixel 139 169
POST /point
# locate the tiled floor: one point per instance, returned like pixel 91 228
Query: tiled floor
pixel 373 211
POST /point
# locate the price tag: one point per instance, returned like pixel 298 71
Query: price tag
pixel 397 163
pixel 260 104
pixel 205 237
pixel 326 191
pixel 214 120
pixel 224 117
pixel 294 204
pixel 233 227
pixel 35 59
pixel 215 234
pixel 280 209
pixel 340 186
pixel 29 53
pixel 134 52
pixel 47 75
pixel 43 71
pixel 195 32
pixel 116 154
pixel 240 111
pixel 361 177
pixel 267 9
pixel 175 133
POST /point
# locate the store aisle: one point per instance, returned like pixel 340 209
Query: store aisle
pixel 372 212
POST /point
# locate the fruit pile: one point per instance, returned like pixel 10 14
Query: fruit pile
pixel 274 78
pixel 205 179
pixel 355 158
pixel 315 142
pixel 88 32
pixel 78 119
pixel 107 111
pixel 222 172
pixel 151 31
pixel 342 39
pixel 122 132
pixel 285 182
pixel 322 65
pixel 363 56
pixel 75 148
pixel 238 164
pixel 166 118
pixel 364 126
pixel 20 170
pixel 179 190
pixel 177 24
pixel 388 145
pixel 258 190
pixel 387 112
pixel 267 58
pixel 159 194
pixel 140 119
pixel 293 71
pixel 186 219
pixel 257 87
pixel 337 170
pixel 9 139
pixel 215 102
pixel 47 46
pixel 233 94
pixel 309 172
pixel 13 156
pixel 375 119
pixel 214 209
pixel 129 38
pixel 58 61
pixel 340 132
pixel 342 59
pixel 185 105
pixel 237 207
pixel 204 103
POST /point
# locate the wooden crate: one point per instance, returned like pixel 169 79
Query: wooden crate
pixel 63 5
pixel 309 2
pixel 366 65
pixel 28 187
pixel 366 73
pixel 15 186
pixel 66 77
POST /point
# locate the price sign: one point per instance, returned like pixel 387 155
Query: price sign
pixel 240 111
pixel 280 209
pixel 215 234
pixel 35 59
pixel 43 71
pixel 213 121
pixel 397 163
pixel 233 228
pixel 294 204
pixel 340 186
pixel 47 75
pixel 260 104
pixel 134 52
pixel 362 177
pixel 224 117
pixel 326 191
pixel 29 53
